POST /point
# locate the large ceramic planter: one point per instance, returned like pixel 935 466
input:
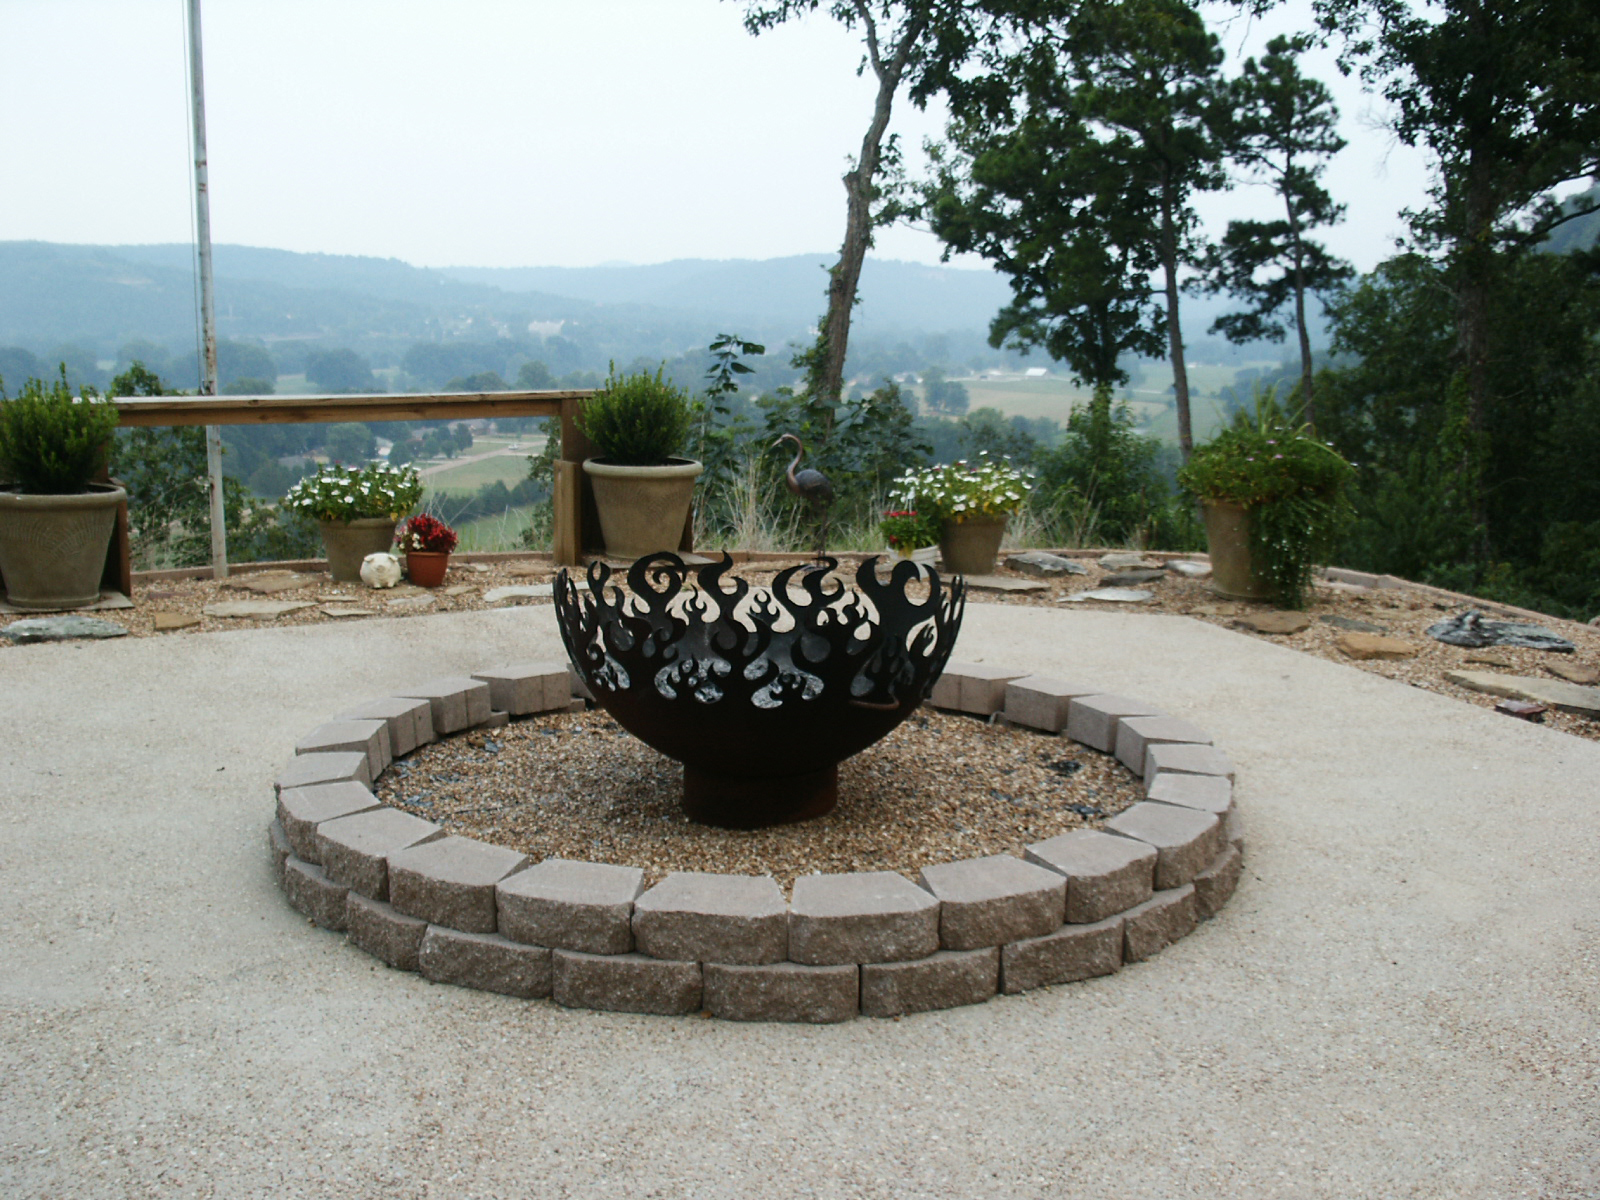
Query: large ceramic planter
pixel 426 568
pixel 348 542
pixel 642 509
pixel 53 548
pixel 970 547
pixel 1233 572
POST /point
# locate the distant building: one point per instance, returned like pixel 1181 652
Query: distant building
pixel 1035 373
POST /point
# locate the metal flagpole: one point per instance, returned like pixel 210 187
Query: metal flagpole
pixel 208 310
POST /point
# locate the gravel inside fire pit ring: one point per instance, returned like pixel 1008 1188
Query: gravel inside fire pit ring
pixel 940 787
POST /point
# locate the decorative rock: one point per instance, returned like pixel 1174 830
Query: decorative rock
pixel 1473 629
pixel 1044 566
pixel 384 932
pixel 278 844
pixel 527 570
pixel 1526 709
pixel 1002 583
pixel 369 737
pixel 1113 595
pixel 312 893
pixel 1158 922
pixel 458 702
pixel 1584 701
pixel 460 589
pixel 340 611
pixel 269 583
pixel 694 916
pixel 410 721
pixel 1041 703
pixel 1186 839
pixel 1363 646
pixel 1351 624
pixel 1072 952
pixel 972 687
pixel 380 569
pixel 165 622
pixel 486 961
pixel 1491 658
pixel 451 881
pixel 873 916
pixel 1208 793
pixel 1185 759
pixel 782 992
pixel 1105 873
pixel 1136 734
pixel 1188 568
pixel 1092 720
pixel 305 769
pixel 570 905
pixel 355 850
pixel 256 609
pixel 411 603
pixel 1275 622
pixel 61 629
pixel 530 591
pixel 947 979
pixel 302 809
pixel 994 900
pixel 1214 885
pixel 625 983
pixel 1133 578
pixel 525 688
pixel 1123 560
pixel 1581 674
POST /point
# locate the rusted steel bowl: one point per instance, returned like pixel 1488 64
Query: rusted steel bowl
pixel 759 692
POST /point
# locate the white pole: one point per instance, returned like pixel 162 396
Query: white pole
pixel 208 309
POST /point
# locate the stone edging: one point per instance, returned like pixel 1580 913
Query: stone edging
pixel 588 935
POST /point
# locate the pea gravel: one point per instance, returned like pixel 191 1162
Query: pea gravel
pixel 940 787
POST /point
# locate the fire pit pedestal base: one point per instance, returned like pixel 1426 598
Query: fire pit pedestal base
pixel 743 802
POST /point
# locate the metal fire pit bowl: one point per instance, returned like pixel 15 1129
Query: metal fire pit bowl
pixel 759 692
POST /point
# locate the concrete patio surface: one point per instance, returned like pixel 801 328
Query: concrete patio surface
pixel 1400 1001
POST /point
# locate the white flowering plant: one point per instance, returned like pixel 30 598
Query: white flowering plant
pixel 338 493
pixel 963 491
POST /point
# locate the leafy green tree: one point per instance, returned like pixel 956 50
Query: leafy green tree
pixel 483 381
pixel 534 376
pixel 337 371
pixel 350 442
pixel 1283 129
pixel 249 386
pixel 942 395
pixel 1071 166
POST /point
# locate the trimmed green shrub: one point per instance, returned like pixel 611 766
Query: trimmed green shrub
pixel 637 420
pixel 50 443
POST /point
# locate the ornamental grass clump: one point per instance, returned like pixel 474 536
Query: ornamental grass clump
pixel 338 493
pixel 52 444
pixel 637 420
pixel 1294 487
pixel 964 491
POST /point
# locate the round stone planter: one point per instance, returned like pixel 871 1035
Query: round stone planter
pixel 53 548
pixel 591 935
pixel 348 542
pixel 970 547
pixel 642 509
pixel 1233 571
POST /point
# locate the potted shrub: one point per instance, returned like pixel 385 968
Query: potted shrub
pixel 55 524
pixel 642 489
pixel 356 509
pixel 971 503
pixel 909 535
pixel 427 542
pixel 1273 497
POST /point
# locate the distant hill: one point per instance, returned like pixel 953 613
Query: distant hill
pixel 1580 233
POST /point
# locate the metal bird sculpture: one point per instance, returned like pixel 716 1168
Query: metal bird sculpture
pixel 810 485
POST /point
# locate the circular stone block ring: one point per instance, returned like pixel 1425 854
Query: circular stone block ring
pixel 590 935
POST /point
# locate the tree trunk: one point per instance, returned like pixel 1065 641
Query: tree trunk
pixel 1307 398
pixel 1169 270
pixel 834 341
pixel 1472 335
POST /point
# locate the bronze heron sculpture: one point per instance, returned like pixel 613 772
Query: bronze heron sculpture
pixel 810 485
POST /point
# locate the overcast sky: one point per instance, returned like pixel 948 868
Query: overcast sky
pixel 497 132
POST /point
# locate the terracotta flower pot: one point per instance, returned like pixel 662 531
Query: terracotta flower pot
pixel 53 548
pixel 1233 572
pixel 642 509
pixel 348 542
pixel 970 547
pixel 426 568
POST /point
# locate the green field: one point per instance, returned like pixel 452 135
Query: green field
pixel 508 469
pixel 503 531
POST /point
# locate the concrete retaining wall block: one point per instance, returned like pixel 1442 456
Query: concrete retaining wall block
pixel 1185 839
pixel 486 961
pixel 457 702
pixel 692 916
pixel 303 770
pixel 782 992
pixel 370 737
pixel 870 916
pixel 1214 885
pixel 1158 922
pixel 451 881
pixel 1209 793
pixel 1072 952
pixel 1184 759
pixel 1093 720
pixel 355 850
pixel 410 721
pixel 383 931
pixel 569 905
pixel 302 809
pixel 947 979
pixel 278 844
pixel 312 893
pixel 521 689
pixel 1105 873
pixel 994 900
pixel 1041 703
pixel 626 983
pixel 1136 734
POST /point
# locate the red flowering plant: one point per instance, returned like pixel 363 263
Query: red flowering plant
pixel 908 531
pixel 424 532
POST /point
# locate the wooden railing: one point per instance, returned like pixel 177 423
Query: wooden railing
pixel 575 527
